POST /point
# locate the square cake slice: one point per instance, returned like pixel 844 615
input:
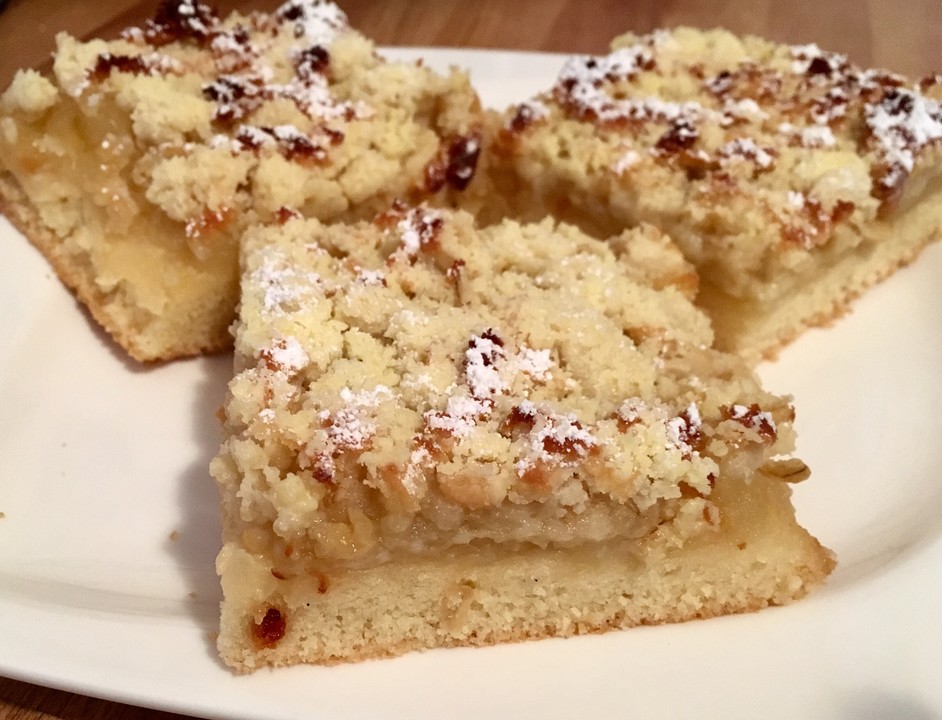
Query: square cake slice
pixel 135 167
pixel 441 435
pixel 792 179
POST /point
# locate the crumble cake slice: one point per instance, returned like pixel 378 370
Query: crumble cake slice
pixel 792 179
pixel 440 435
pixel 137 165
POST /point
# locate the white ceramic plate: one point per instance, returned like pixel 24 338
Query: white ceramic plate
pixel 102 461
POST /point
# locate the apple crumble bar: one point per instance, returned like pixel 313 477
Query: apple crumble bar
pixel 791 178
pixel 443 435
pixel 135 167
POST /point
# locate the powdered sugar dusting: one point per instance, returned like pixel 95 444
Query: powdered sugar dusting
pixel 822 94
pixel 744 109
pixel 287 353
pixel 583 75
pixel 316 21
pixel 246 82
pixel 581 88
pixel 417 230
pixel 901 124
pixel 418 458
pixel 528 112
pixel 683 431
pixel 813 136
pixel 628 160
pixel 281 285
pixel 752 417
pixel 366 398
pixel 746 149
pixel 370 277
pixel 482 373
pixel 248 135
pixel 352 426
pixel 812 60
pixel 630 410
pixel 535 363
pixel 802 56
pixel 227 44
pixel 459 417
pixel 818 136
pixel 312 96
pixel 287 139
pixel 349 429
pixel 489 371
pixel 557 438
pixel 635 410
pixel 796 200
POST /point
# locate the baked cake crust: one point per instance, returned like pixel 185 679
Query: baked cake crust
pixel 750 563
pixel 136 166
pixel 792 179
pixel 419 398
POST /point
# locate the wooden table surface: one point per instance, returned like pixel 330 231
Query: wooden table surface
pixel 904 36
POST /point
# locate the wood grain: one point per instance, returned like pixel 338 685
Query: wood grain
pixel 22 701
pixel 903 36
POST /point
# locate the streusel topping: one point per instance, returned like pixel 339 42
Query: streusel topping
pixel 732 132
pixel 416 383
pixel 244 115
pixel 812 93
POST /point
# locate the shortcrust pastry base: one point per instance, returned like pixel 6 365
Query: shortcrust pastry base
pixel 758 557
pixel 759 331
